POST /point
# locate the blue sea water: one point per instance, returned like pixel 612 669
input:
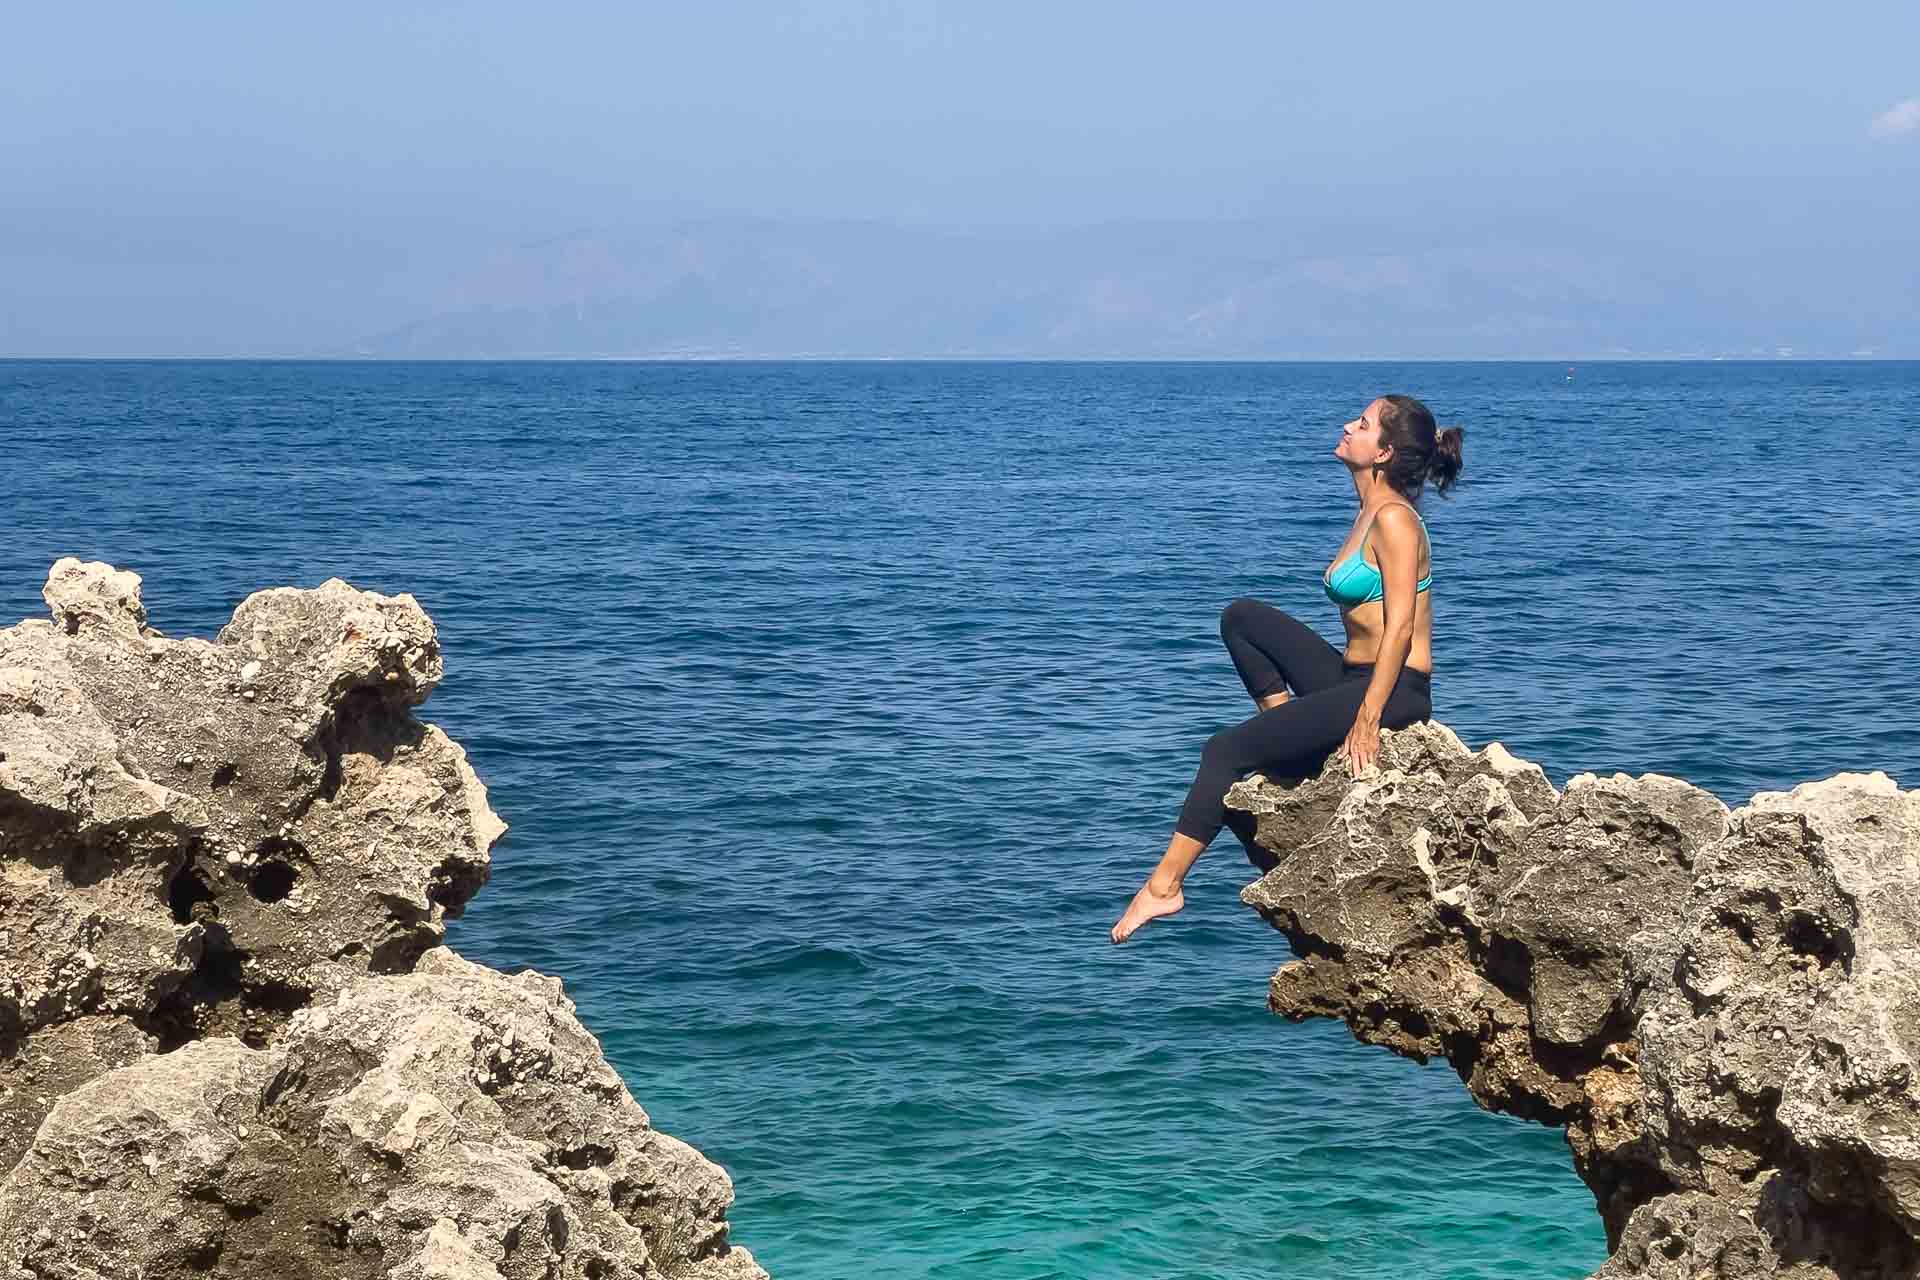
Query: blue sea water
pixel 838 709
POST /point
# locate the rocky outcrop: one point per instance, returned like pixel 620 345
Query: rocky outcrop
pixel 231 1042
pixel 1722 1009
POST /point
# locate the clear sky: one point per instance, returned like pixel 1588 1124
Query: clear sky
pixel 334 156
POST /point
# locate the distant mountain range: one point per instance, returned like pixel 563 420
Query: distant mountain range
pixel 744 287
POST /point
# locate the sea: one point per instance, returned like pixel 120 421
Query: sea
pixel 839 708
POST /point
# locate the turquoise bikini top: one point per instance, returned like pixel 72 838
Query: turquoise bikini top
pixel 1353 581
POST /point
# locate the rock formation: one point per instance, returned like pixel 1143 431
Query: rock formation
pixel 231 1042
pixel 1721 1008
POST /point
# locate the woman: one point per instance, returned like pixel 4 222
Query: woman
pixel 1313 700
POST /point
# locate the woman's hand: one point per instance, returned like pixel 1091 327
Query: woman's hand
pixel 1362 747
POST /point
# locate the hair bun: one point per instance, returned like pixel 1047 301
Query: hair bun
pixel 1443 468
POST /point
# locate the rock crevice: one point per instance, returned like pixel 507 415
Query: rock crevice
pixel 1721 1008
pixel 232 1041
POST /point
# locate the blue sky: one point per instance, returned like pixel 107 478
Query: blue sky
pixel 342 155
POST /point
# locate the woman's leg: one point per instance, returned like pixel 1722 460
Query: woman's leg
pixel 1284 733
pixel 1274 652
pixel 1291 740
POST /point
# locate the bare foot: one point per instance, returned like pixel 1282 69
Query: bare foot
pixel 1146 905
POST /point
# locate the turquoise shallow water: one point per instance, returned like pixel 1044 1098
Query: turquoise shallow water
pixel 838 708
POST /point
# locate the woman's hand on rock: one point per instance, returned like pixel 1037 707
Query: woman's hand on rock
pixel 1362 747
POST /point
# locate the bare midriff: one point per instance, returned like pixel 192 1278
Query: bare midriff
pixel 1365 624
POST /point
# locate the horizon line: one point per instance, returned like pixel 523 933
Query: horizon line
pixel 939 359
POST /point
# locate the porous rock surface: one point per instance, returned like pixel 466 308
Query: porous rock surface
pixel 231 1042
pixel 1722 1009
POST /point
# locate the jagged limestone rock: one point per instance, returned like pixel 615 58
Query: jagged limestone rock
pixel 220 867
pixel 451 1122
pixel 93 595
pixel 200 837
pixel 1722 1009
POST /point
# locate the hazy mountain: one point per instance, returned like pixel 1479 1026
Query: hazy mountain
pixel 757 287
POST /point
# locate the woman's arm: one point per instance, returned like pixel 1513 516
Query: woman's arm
pixel 1396 541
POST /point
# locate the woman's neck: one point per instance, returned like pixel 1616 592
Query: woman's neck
pixel 1373 490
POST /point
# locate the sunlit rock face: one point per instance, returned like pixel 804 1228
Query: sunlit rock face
pixel 1721 1008
pixel 231 1042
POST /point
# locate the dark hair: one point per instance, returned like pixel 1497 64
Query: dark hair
pixel 1419 453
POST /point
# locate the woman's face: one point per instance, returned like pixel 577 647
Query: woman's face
pixel 1360 444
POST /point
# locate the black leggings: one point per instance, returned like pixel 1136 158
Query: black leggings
pixel 1272 651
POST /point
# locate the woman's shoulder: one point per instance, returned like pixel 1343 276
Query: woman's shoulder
pixel 1398 517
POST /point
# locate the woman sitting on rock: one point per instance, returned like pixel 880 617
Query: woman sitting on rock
pixel 1312 699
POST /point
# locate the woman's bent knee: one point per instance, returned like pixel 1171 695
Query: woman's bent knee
pixel 1236 617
